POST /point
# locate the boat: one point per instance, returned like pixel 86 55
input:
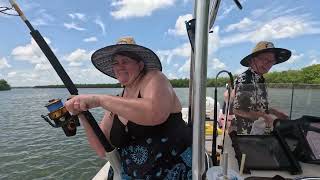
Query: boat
pixel 228 163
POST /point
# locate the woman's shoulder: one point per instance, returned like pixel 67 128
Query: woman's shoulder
pixel 154 79
pixel 155 75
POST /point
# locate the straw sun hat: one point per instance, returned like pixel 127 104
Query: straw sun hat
pixel 281 55
pixel 102 59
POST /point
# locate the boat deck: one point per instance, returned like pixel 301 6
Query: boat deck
pixel 308 170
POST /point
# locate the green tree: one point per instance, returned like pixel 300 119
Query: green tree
pixel 311 74
pixel 4 85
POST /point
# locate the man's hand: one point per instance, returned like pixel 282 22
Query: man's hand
pixel 279 114
pixel 282 115
pixel 80 103
pixel 268 119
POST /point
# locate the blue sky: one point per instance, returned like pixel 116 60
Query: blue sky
pixel 76 28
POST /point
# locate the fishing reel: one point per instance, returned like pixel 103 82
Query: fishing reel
pixel 61 117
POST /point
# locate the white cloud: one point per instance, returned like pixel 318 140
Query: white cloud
pixel 213 41
pixel 4 63
pixel 32 78
pixel 42 18
pixel 215 64
pixel 90 39
pixel 185 68
pixel 243 24
pixel 180 26
pixel 137 8
pixel 101 25
pixel 278 28
pixel 88 75
pixel 166 55
pixel 284 27
pixel 74 26
pixel 259 12
pixel 171 76
pixel 227 9
pixel 314 60
pixel 184 51
pixel 295 58
pixel 80 16
pixel 77 57
pixel 30 52
pixel 12 74
pixel 39 22
pixel 43 66
pixel 241 70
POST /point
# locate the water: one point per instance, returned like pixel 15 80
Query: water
pixel 31 149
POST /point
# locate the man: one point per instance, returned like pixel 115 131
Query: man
pixel 251 106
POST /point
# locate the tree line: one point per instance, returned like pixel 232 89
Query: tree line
pixel 4 85
pixel 307 75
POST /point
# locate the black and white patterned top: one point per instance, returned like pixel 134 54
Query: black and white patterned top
pixel 154 152
pixel 251 95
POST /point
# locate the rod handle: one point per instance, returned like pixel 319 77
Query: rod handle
pixel 17 8
pixel 243 159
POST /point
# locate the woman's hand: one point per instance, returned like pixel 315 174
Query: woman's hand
pixel 80 103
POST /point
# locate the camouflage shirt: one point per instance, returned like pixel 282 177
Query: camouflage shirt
pixel 251 95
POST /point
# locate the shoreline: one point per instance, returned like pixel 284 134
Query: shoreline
pixel 269 85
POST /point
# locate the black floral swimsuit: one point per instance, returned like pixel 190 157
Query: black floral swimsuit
pixel 154 152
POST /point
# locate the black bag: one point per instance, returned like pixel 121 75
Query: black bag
pixel 264 152
pixel 302 136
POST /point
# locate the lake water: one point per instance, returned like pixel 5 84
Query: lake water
pixel 31 149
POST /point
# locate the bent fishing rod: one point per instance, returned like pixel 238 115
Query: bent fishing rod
pixel 63 75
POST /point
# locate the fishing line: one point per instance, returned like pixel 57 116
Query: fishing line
pixel 3 10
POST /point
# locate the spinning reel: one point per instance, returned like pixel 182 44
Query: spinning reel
pixel 61 117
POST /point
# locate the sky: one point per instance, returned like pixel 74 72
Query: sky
pixel 74 29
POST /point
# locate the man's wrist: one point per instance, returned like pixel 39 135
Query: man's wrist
pixel 263 115
pixel 96 100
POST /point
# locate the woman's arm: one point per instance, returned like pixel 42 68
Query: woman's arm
pixel 105 126
pixel 152 109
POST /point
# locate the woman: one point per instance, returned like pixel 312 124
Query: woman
pixel 145 123
pixel 222 115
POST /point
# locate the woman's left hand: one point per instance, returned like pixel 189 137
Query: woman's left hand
pixel 80 103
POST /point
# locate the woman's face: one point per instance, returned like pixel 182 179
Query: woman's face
pixel 126 69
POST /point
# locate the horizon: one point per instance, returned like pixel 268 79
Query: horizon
pixel 75 29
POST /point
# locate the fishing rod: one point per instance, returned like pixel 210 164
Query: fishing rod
pixel 214 11
pixel 62 74
pixel 57 107
pixel 112 153
pixel 215 119
pixel 227 110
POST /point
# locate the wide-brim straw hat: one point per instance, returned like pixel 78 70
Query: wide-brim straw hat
pixel 102 59
pixel 281 55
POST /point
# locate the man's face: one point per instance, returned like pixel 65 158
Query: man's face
pixel 263 62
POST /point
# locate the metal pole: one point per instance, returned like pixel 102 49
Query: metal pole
pixel 191 100
pixel 292 93
pixel 199 89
